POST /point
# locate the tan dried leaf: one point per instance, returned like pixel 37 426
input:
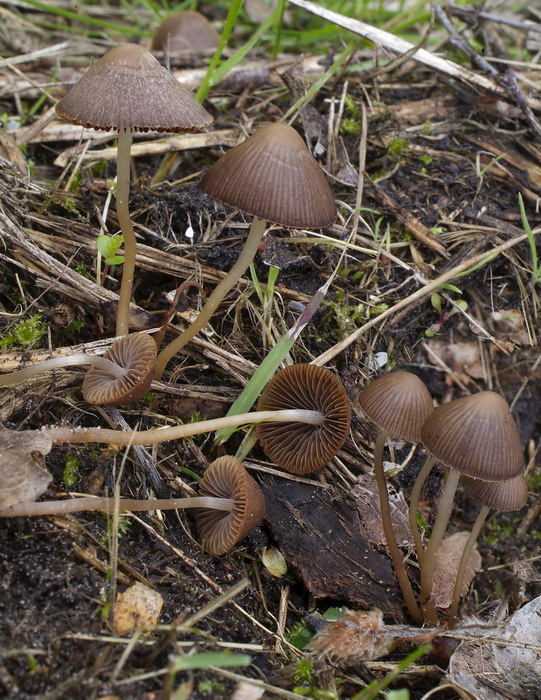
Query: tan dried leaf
pixel 447 563
pixel 22 479
pixel 137 606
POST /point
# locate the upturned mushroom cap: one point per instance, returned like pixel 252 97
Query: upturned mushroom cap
pixel 185 31
pixel 476 436
pixel 127 88
pixel 136 354
pixel 500 495
pixel 220 530
pixel 398 403
pixel 301 448
pixel 273 176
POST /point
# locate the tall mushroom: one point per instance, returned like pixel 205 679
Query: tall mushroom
pixel 302 449
pixel 474 436
pixel 273 177
pixel 398 403
pixel 128 90
pixel 185 31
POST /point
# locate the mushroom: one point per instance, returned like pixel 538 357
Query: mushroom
pixel 398 403
pixel 474 436
pixel 127 89
pixel 230 505
pixel 273 177
pixel 505 496
pixel 121 376
pixel 220 530
pixel 185 31
pixel 301 449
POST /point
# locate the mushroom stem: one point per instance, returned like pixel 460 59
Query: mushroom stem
pixel 414 505
pixel 457 590
pixel 158 435
pixel 394 550
pixel 59 362
pixel 438 532
pixel 257 230
pixel 76 505
pixel 126 226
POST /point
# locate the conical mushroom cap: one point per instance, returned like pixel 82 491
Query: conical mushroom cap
pixel 136 354
pixel 299 447
pixel 398 403
pixel 500 495
pixel 476 436
pixel 272 175
pixel 185 31
pixel 220 530
pixel 127 88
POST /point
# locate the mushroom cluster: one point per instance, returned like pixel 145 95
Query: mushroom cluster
pixel 475 439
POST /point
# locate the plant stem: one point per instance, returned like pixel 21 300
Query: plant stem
pixel 75 505
pixel 157 435
pixel 246 256
pixel 457 590
pixel 438 532
pixel 123 178
pixel 394 550
pixel 414 505
pixel 60 362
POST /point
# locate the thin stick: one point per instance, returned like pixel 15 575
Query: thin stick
pixel 394 550
pixel 246 256
pixel 122 209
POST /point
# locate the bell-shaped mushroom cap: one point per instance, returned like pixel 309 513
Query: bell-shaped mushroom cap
pixel 398 403
pixel 302 448
pixel 273 176
pixel 500 495
pixel 476 436
pixel 220 530
pixel 136 355
pixel 185 31
pixel 127 88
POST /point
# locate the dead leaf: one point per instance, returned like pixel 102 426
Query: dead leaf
pixel 462 357
pixel 447 562
pixel 22 479
pixel 138 605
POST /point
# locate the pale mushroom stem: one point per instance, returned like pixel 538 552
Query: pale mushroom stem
pixel 123 177
pixel 60 362
pixel 75 505
pixel 438 532
pixel 394 550
pixel 457 590
pixel 158 435
pixel 247 254
pixel 414 507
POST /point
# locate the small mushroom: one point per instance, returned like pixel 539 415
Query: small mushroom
pixel 220 530
pixel 127 89
pixel 185 31
pixel 136 356
pixel 475 436
pixel 275 178
pixel 122 375
pixel 230 505
pixel 505 496
pixel 304 448
pixel 398 403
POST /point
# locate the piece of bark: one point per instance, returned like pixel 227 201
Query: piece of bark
pixel 320 536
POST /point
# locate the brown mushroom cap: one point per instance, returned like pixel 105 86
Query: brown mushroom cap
pixel 301 448
pixel 500 495
pixel 127 88
pixel 273 176
pixel 398 403
pixel 220 530
pixel 185 31
pixel 136 353
pixel 476 436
